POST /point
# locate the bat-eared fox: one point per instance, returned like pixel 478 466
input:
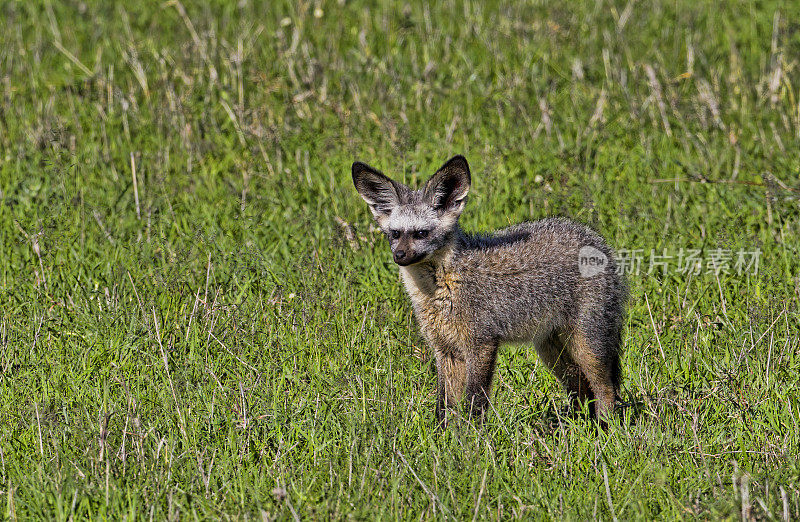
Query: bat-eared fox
pixel 552 283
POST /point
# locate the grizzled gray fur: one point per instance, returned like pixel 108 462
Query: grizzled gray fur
pixel 551 283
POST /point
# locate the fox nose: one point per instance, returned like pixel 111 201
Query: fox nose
pixel 399 255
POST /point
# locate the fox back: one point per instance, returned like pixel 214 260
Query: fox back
pixel 551 283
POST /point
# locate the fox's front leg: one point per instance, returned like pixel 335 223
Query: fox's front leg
pixel 451 374
pixel 480 370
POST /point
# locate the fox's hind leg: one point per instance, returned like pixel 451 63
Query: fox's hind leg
pixel 555 355
pixel 600 366
pixel 451 377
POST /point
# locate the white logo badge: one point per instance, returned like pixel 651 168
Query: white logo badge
pixel 591 261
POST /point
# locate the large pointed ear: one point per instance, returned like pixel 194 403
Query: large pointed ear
pixel 447 190
pixel 381 193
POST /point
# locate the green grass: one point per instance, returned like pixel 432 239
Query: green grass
pixel 207 342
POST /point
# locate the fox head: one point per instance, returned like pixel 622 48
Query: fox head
pixel 417 223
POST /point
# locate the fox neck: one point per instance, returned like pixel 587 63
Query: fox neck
pixel 429 278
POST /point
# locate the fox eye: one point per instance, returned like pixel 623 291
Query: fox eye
pixel 420 234
pixel 395 234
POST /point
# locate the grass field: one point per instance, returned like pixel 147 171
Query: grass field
pixel 198 320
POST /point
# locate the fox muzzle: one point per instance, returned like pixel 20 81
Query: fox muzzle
pixel 406 257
